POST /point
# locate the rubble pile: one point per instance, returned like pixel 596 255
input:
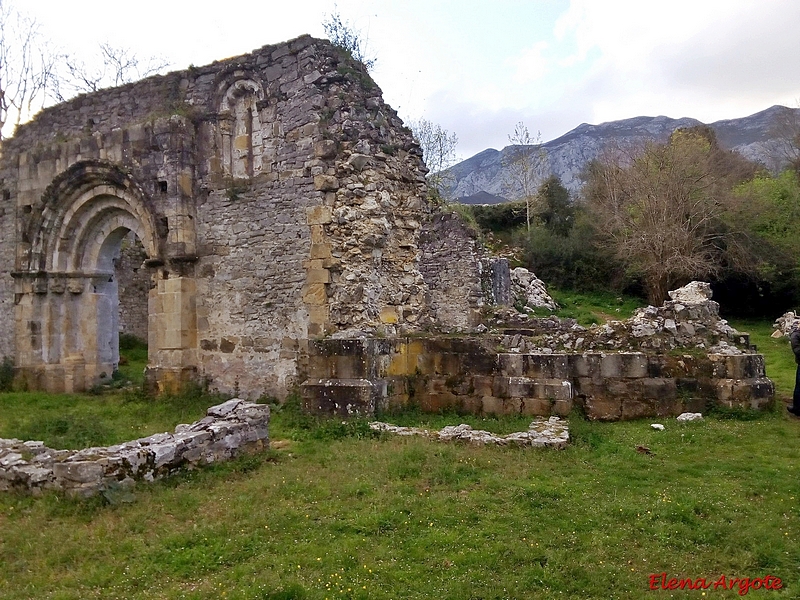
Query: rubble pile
pixel 551 432
pixel 529 290
pixel 690 319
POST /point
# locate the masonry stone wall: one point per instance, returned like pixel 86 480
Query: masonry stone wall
pixel 452 265
pixel 7 239
pixel 228 430
pixel 134 285
pixel 662 361
pixel 277 199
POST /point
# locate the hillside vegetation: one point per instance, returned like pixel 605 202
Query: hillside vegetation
pixel 652 218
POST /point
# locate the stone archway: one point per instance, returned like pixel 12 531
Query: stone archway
pixel 67 304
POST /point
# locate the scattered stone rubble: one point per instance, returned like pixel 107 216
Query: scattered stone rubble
pixel 689 416
pixel 784 324
pixel 551 432
pixel 529 289
pixel 689 320
pixel 681 418
pixel 228 430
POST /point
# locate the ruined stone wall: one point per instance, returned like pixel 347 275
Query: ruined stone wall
pixel 7 239
pixel 228 430
pixel 469 375
pixel 451 267
pixel 277 197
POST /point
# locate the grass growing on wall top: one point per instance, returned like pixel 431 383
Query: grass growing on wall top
pixel 589 308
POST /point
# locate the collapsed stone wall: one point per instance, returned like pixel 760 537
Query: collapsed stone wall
pixel 663 361
pixel 228 430
pixel 451 264
pixel 690 321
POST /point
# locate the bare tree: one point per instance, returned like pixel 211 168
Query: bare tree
pixel 525 163
pixel 117 66
pixel 439 152
pixel 344 35
pixel 663 209
pixel 27 67
pixel 33 73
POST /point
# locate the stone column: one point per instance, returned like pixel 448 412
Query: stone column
pixel 172 333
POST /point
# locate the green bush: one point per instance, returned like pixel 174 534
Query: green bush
pixel 499 217
pixel 576 261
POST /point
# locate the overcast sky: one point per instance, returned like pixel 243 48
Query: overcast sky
pixel 477 67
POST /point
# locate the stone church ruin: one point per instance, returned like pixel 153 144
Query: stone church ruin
pixel 264 222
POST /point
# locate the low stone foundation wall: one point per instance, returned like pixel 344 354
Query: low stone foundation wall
pixel 227 430
pixel 470 375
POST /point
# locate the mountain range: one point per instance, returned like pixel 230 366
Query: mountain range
pixel 482 179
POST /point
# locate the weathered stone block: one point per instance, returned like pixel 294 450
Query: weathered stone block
pixel 545 366
pixel 326 183
pixel 325 149
pixel 603 408
pixel 638 408
pixel 538 407
pixel 633 365
pixel 318 215
pixel 318 276
pixel 315 294
pixel 660 390
pixel 586 365
pixel 340 397
pixel 78 472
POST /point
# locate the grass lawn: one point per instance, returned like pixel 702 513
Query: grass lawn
pixel 339 513
pixel 335 511
pixel 589 308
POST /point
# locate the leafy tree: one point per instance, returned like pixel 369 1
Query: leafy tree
pixel 578 260
pixel 664 211
pixel 502 217
pixel 770 214
pixel 558 212
pixel 344 35
pixel 525 163
pixel 439 152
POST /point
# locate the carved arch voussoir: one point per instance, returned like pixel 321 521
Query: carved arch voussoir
pixel 78 196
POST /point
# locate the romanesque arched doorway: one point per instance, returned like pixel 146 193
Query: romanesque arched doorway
pixel 67 292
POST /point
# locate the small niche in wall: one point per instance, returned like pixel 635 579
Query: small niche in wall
pixel 240 129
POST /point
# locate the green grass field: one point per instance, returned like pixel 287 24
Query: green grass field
pixel 336 511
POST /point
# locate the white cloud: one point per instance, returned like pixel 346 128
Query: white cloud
pixel 478 67
pixel 532 64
